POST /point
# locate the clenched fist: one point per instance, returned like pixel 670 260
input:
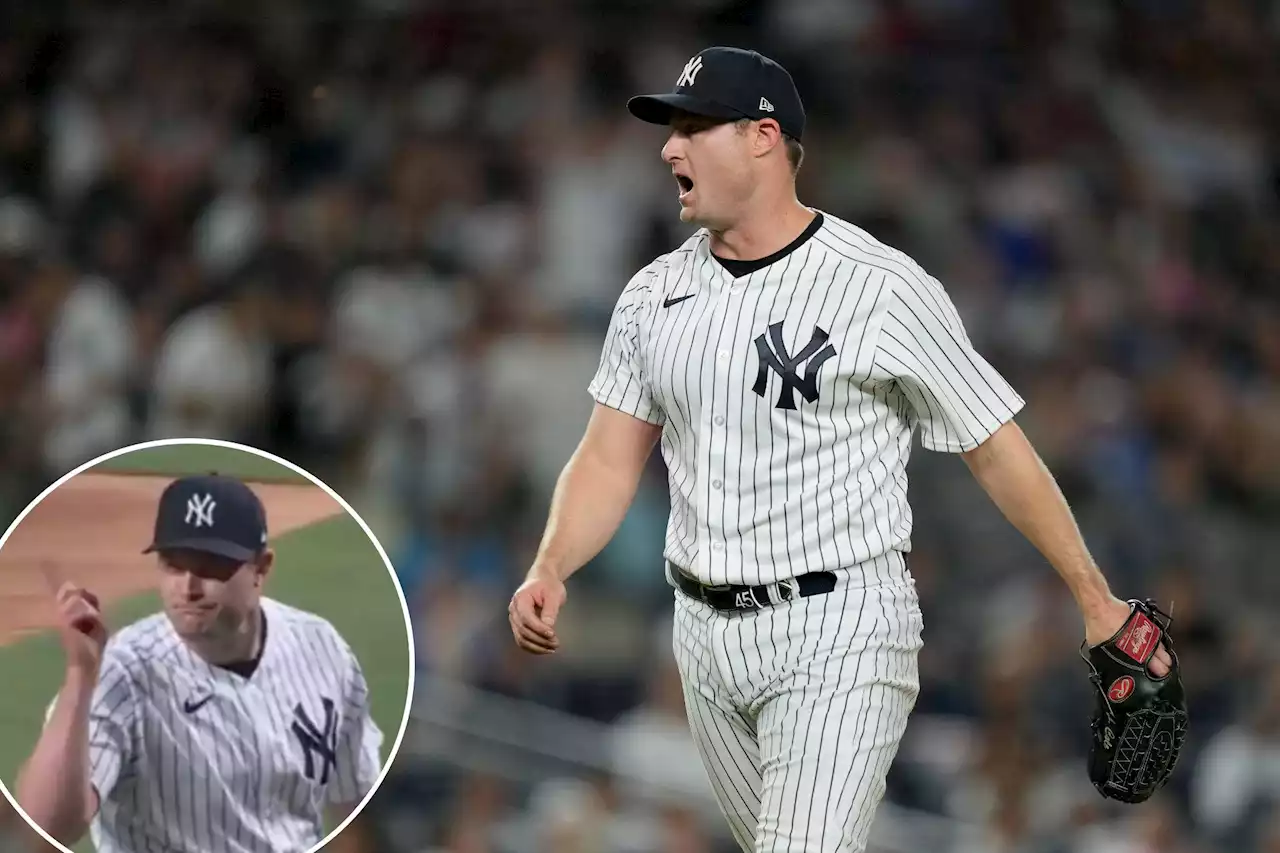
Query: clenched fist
pixel 533 610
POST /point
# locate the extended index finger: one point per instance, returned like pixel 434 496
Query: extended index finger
pixel 54 580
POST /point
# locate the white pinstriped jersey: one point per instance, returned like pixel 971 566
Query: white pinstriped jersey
pixel 788 398
pixel 192 758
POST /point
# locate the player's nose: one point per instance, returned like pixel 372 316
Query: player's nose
pixel 673 149
pixel 193 585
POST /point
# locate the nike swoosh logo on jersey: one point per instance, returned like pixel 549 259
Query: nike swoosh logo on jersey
pixel 191 707
pixel 673 300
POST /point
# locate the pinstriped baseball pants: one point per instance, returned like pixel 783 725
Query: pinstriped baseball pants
pixel 797 709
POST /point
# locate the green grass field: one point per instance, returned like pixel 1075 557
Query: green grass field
pixel 177 460
pixel 329 568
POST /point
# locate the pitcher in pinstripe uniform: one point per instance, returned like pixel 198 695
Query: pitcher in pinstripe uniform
pixel 783 359
pixel 226 724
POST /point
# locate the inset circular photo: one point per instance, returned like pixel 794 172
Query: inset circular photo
pixel 202 649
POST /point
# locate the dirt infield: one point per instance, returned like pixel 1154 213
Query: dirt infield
pixel 93 528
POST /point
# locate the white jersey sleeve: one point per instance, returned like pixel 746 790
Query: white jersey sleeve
pixel 621 381
pixel 359 759
pixel 112 715
pixel 957 397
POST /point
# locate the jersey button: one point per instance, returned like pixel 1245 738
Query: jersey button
pixel 717 546
pixel 715 484
pixel 719 420
pixel 724 353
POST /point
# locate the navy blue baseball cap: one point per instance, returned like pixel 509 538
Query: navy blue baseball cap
pixel 210 513
pixel 728 83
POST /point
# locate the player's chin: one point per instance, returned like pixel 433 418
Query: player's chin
pixel 193 622
pixel 695 211
pixel 689 210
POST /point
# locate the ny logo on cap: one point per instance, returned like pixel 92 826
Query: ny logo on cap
pixel 690 72
pixel 200 510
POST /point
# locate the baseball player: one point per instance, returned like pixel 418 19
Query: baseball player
pixel 226 724
pixel 783 358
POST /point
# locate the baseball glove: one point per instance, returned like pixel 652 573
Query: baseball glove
pixel 1139 722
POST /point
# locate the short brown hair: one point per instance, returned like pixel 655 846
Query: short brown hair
pixel 795 151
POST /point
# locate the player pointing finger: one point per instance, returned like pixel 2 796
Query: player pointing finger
pixel 228 722
pixel 79 620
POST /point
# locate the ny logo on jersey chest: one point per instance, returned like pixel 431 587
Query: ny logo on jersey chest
pixel 773 356
pixel 319 744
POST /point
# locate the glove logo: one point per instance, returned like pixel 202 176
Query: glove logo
pixel 1121 689
pixel 1140 638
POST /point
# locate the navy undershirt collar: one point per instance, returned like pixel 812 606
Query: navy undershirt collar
pixel 739 268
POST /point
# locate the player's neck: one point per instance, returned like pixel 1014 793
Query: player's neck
pixel 765 229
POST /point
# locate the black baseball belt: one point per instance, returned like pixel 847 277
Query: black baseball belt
pixel 736 597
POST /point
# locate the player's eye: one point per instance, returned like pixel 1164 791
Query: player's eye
pixel 689 127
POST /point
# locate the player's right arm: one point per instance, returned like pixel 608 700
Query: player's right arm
pixel 599 482
pixel 56 785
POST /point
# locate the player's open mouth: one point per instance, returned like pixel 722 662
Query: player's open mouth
pixel 686 185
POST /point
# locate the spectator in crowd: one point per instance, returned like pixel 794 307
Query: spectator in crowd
pixel 212 370
pixel 1237 781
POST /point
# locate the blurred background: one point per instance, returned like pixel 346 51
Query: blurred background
pixel 383 239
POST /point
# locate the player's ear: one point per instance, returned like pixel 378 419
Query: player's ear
pixel 768 136
pixel 265 563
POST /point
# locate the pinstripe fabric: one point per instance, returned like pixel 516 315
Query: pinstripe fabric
pixel 798 741
pixel 761 492
pixel 788 397
pixel 229 776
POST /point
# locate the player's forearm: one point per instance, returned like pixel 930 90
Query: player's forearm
pixel 53 787
pixel 1016 479
pixel 590 500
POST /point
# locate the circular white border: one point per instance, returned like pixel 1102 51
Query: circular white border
pixel 386 562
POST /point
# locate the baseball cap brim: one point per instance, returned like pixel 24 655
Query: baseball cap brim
pixel 658 109
pixel 218 547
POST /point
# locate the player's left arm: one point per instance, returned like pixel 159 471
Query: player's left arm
pixel 963 405
pixel 1019 483
pixel 358 760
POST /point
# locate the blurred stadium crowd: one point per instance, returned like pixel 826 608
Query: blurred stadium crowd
pixel 383 239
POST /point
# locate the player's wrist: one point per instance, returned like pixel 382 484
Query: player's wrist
pixel 1104 622
pixel 1099 606
pixel 81 675
pixel 1094 597
pixel 544 569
